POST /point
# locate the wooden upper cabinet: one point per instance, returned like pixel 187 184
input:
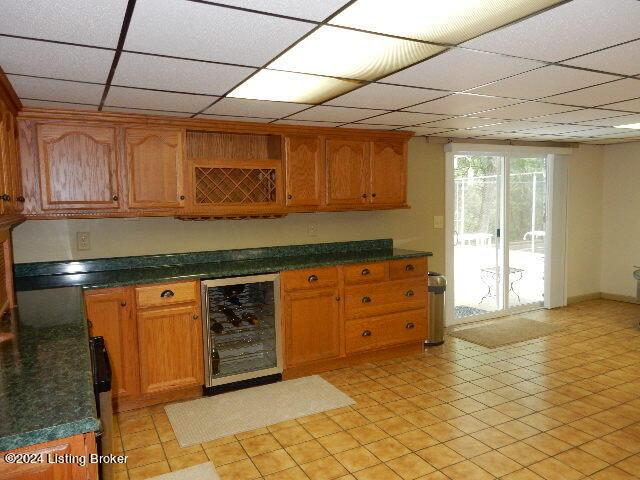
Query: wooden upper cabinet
pixel 155 162
pixel 110 313
pixel 304 170
pixel 347 172
pixel 78 167
pixel 11 199
pixel 388 173
pixel 170 348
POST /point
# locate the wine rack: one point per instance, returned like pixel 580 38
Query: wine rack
pixel 219 185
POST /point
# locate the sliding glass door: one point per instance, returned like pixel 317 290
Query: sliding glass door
pixel 499 233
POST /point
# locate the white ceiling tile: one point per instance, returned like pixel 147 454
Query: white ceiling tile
pixel 206 32
pixel 388 97
pixel 629 106
pixel 623 59
pixel 334 114
pixel 601 94
pixel 234 118
pixel 513 126
pixel 152 100
pixel 571 29
pixel 576 116
pixel 254 108
pixel 97 22
pixel 144 111
pixel 56 90
pixel 442 71
pixel 50 104
pixel 44 59
pixel 613 121
pixel 525 110
pixel 543 82
pixel 308 123
pixel 561 129
pixel 404 118
pixel 600 132
pixel 461 104
pixel 462 122
pixel 309 9
pixel 146 71
pixel 423 130
pixel 460 134
pixel 366 126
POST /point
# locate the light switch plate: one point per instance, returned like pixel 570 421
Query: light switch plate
pixel 438 221
pixel 83 241
pixel 312 229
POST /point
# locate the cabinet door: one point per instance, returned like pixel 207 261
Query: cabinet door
pixel 347 172
pixel 304 172
pixel 110 315
pixel 155 159
pixel 388 173
pixel 170 348
pixel 77 167
pixel 312 326
pixel 5 160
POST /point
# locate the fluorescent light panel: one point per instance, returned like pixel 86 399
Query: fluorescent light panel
pixel 634 126
pixel 338 52
pixel 445 21
pixel 291 87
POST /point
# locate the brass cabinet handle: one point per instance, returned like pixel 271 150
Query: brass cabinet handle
pixel 366 333
pixel 409 268
pixel 20 199
pixel 365 271
pixel 366 299
pixel 195 317
pixel 312 278
pixel 409 326
pixel 115 198
pixel 6 197
pixel 123 304
pixel 409 293
pixel 167 294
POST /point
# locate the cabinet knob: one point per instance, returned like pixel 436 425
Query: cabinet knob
pixel 373 195
pixel 115 198
pixel 20 199
pixel 409 326
pixel 312 278
pixel 366 299
pixel 365 271
pixel 167 294
pixel 364 195
pixel 181 197
pixel 6 197
pixel 337 299
pixel 195 317
pixel 123 304
pixel 409 267
pixel 366 333
pixel 289 196
pixel 409 293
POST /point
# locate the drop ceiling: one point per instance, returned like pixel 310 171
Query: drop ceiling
pixel 518 69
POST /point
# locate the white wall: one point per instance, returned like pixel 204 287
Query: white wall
pixel 620 218
pixel 42 240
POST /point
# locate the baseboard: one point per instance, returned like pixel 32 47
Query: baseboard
pixel 620 298
pixel 601 295
pixel 583 297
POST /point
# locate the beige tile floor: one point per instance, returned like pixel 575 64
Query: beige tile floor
pixel 562 407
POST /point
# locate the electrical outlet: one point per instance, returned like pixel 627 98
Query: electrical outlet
pixel 312 229
pixel 438 221
pixel 83 241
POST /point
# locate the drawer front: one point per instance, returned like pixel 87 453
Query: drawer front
pixel 166 294
pixel 310 278
pixel 408 268
pixel 365 273
pixel 385 297
pixel 384 331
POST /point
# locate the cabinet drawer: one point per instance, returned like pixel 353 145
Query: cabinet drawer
pixel 379 332
pixel 408 268
pixel 365 273
pixel 385 297
pixel 166 294
pixel 310 278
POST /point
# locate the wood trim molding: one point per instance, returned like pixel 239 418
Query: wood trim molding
pixel 518 143
pixel 9 94
pixel 84 117
pixel 583 298
pixel 601 295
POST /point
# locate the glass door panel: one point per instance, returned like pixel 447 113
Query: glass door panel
pixel 477 243
pixel 527 214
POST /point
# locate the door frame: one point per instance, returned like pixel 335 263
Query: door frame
pixel 555 262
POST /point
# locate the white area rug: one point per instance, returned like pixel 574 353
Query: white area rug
pixel 204 471
pixel 209 418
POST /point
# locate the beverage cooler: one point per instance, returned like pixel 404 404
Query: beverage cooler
pixel 241 330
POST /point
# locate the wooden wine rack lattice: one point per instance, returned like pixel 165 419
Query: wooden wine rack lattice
pixel 217 185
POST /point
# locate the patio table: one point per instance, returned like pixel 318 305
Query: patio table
pixel 489 275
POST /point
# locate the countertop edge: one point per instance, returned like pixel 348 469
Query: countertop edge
pixel 49 434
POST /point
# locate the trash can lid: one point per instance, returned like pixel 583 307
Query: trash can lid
pixel 436 280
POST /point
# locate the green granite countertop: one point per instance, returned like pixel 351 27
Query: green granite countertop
pixel 116 272
pixel 46 389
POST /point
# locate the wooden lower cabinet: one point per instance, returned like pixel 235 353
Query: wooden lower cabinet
pixel 312 326
pixel 77 445
pixel 155 348
pixel 170 348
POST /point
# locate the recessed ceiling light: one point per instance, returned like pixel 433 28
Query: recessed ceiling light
pixel 339 52
pixel 635 126
pixel 446 21
pixel 292 87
